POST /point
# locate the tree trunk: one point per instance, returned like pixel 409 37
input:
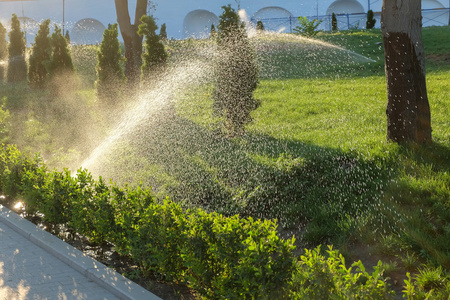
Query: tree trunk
pixel 132 41
pixel 408 110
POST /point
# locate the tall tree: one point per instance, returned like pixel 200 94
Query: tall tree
pixel 408 110
pixel 236 73
pixel 3 50
pixel 131 39
pixel 17 66
pixel 155 55
pixel 61 68
pixel 110 76
pixel 40 56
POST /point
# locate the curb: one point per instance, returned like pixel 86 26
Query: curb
pixel 92 269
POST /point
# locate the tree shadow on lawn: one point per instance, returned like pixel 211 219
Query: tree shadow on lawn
pixel 320 191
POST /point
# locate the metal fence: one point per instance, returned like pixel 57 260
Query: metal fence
pixel 430 17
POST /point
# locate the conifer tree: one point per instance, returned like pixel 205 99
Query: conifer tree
pixel 212 33
pixel 334 23
pixel 259 26
pixel 163 32
pixel 3 50
pixel 40 57
pixel 61 68
pixel 236 73
pixel 110 75
pixel 67 36
pixel 370 23
pixel 155 55
pixel 61 60
pixel 17 66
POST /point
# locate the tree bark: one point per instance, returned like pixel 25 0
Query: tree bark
pixel 408 110
pixel 132 41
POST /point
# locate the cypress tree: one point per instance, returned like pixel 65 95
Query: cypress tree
pixel 259 26
pixel 3 50
pixel 236 73
pixel 212 34
pixel 155 55
pixel 61 68
pixel 110 75
pixel 17 66
pixel 67 36
pixel 370 23
pixel 61 60
pixel 334 23
pixel 163 32
pixel 40 56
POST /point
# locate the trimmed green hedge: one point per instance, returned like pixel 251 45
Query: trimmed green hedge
pixel 218 256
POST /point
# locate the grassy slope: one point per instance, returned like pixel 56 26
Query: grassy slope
pixel 345 110
pixel 315 156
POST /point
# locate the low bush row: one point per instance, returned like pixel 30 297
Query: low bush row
pixel 220 257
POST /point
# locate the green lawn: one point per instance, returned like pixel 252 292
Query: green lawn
pixel 315 156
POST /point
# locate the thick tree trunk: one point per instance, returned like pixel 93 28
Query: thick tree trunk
pixel 132 41
pixel 408 110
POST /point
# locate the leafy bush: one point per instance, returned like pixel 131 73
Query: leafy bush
pixel 40 56
pixel 5 124
pixel 327 277
pixel 246 259
pixel 306 27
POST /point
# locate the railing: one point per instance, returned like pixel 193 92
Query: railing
pixel 430 17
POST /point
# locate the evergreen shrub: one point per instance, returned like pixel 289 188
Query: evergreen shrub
pixel 334 23
pixel 40 57
pixel 155 55
pixel 370 23
pixel 110 75
pixel 163 32
pixel 17 66
pixel 236 73
pixel 3 51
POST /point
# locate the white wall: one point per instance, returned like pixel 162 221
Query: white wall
pixel 194 18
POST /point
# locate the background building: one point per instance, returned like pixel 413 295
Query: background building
pixel 86 19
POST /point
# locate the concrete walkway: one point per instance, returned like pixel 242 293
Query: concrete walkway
pixel 37 265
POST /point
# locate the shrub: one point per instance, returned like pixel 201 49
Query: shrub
pixel 212 33
pixel 5 125
pixel 61 68
pixel 236 73
pixel 40 57
pixel 370 23
pixel 110 75
pixel 306 27
pixel 318 277
pixel 17 66
pixel 155 55
pixel 259 26
pixel 246 259
pixel 67 36
pixel 3 50
pixel 163 32
pixel 334 23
